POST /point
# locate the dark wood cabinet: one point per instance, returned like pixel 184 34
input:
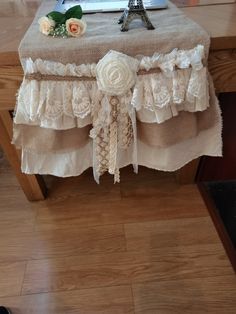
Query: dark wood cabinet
pixel 223 168
pixel 217 179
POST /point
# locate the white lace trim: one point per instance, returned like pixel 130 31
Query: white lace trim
pixel 112 100
pixel 57 68
pixel 156 97
pixel 182 59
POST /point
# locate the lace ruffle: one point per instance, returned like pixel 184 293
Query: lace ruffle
pixel 181 59
pixel 57 68
pixel 157 97
pixel 109 95
pixel 57 105
pixel 181 84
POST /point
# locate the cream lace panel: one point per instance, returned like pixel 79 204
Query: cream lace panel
pixel 178 82
pixel 176 58
pixel 60 105
pixel 181 84
pixel 57 68
pixel 158 98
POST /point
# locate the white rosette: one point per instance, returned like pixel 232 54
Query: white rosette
pixel 116 73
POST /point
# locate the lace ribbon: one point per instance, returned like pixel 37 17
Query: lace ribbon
pixel 115 133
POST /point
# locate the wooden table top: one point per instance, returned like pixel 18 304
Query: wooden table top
pixel 16 16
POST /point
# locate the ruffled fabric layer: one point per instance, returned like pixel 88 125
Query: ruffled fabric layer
pixel 159 97
pixel 179 84
pixel 71 117
pixel 56 105
pixel 207 142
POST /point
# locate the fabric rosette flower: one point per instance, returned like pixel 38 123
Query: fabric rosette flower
pixel 116 73
pixel 46 25
pixel 75 27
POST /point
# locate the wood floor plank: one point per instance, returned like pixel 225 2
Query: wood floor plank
pixel 11 278
pixel 75 241
pixel 215 295
pixel 149 198
pixel 18 218
pixel 15 246
pixel 170 233
pixel 97 270
pixel 16 221
pixel 95 212
pixel 24 245
pixel 117 300
pixel 81 260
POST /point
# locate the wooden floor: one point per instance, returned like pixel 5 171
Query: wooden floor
pixel 143 246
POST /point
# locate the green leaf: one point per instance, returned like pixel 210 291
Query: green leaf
pixel 58 17
pixel 74 12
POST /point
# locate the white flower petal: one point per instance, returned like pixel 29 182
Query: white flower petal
pixel 116 73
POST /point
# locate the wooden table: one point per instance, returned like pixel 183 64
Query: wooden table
pixel 15 17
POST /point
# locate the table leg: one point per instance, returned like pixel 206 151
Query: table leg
pixel 33 186
pixel 187 174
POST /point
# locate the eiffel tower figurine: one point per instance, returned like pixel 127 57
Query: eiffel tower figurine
pixel 135 10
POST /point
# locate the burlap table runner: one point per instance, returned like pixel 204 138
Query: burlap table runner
pixel 47 150
pixel 172 30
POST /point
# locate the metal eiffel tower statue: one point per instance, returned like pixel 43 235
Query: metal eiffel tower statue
pixel 135 10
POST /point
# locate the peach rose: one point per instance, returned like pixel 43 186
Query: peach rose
pixel 46 25
pixel 75 27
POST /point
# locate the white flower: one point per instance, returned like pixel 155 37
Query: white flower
pixel 46 25
pixel 116 73
pixel 75 27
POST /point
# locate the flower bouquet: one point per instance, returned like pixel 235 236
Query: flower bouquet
pixel 68 24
